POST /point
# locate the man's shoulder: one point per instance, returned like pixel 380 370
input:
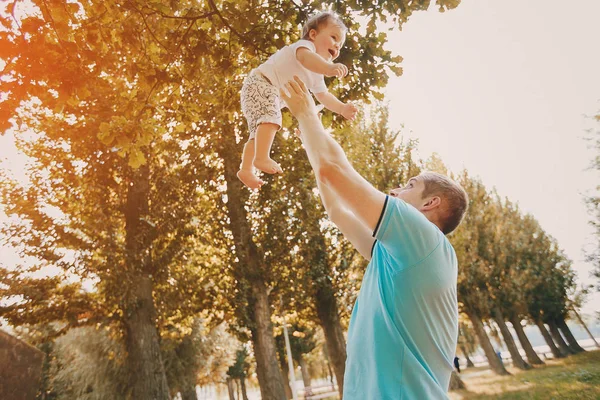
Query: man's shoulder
pixel 403 216
pixel 405 235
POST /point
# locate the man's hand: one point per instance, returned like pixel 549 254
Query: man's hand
pixel 338 70
pixel 300 101
pixel 349 111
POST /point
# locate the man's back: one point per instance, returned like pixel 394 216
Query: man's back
pixel 404 326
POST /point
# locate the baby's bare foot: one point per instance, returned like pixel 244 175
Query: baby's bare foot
pixel 249 179
pixel 267 165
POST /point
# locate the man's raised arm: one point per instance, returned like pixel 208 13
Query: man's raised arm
pixel 329 161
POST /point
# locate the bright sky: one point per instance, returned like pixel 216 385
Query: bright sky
pixel 502 88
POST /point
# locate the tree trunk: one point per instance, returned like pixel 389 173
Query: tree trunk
pixel 285 374
pixel 189 393
pixel 330 372
pixel 558 339
pixel 495 363
pixel 510 341
pixel 572 342
pixel 148 378
pixel 143 348
pixel 585 326
pixel 244 391
pixel 230 389
pixel 532 356
pixel 455 382
pixel 322 291
pixel 466 354
pixel 327 310
pixel 269 374
pixel 555 352
pixel 250 272
pixel 305 372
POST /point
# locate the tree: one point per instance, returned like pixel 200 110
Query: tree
pixel 239 370
pixel 467 341
pixel 310 285
pixel 456 383
pixel 518 259
pixel 89 364
pixel 472 241
pixel 549 278
pixel 503 256
pixel 97 105
pixel 593 201
pixel 197 356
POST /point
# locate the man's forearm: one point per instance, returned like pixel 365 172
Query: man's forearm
pixel 327 198
pixel 324 153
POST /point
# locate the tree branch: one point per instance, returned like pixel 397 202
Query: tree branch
pixel 236 33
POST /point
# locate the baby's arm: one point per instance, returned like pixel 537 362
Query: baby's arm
pixel 347 110
pixel 315 63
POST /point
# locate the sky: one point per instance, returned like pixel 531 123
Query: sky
pixel 502 88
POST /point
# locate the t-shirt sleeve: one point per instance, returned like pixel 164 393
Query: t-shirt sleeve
pixel 303 43
pixel 405 233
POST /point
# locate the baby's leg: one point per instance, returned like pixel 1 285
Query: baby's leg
pixel 265 134
pixel 245 174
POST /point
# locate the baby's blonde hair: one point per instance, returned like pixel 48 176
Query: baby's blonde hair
pixel 319 19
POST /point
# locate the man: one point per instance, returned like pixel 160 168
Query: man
pixel 404 325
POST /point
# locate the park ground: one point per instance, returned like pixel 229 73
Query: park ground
pixel 575 377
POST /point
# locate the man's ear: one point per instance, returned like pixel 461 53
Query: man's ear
pixel 431 203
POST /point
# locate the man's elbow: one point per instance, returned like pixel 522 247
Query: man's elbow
pixel 334 213
pixel 329 172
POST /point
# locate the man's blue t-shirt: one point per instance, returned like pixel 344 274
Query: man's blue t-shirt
pixel 404 325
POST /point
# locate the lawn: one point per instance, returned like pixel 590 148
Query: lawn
pixel 576 377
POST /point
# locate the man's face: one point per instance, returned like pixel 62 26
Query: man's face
pixel 328 40
pixel 412 192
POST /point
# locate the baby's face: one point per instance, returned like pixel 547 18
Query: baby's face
pixel 328 40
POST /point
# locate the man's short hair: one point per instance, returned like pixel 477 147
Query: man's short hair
pixel 455 200
pixel 320 19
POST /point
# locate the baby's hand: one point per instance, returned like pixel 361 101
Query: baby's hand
pixel 349 111
pixel 339 70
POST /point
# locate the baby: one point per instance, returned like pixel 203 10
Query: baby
pixel 310 58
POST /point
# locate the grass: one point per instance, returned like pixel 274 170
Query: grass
pixel 576 377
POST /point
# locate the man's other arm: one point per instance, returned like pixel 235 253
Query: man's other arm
pixel 352 229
